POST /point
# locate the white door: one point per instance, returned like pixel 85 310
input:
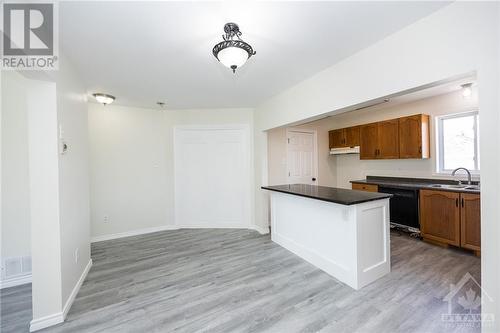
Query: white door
pixel 212 177
pixel 301 157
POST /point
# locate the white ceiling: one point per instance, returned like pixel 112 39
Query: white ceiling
pixel 144 52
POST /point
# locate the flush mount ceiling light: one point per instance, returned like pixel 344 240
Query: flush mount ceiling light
pixel 467 90
pixel 232 52
pixel 104 99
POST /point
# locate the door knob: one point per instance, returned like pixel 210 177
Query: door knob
pixel 314 179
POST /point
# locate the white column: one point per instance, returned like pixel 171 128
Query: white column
pixel 44 204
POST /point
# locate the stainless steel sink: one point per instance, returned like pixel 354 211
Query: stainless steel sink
pixel 452 186
pixel 448 186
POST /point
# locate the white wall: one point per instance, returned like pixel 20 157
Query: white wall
pixel 460 38
pixel 16 231
pixel 277 154
pixel 74 186
pixel 128 161
pixel 44 199
pixel 59 189
pixel 132 167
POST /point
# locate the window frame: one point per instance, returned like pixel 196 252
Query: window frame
pixel 440 141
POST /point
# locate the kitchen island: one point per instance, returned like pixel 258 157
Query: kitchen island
pixel 343 232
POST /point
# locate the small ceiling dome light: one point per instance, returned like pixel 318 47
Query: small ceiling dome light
pixel 104 99
pixel 233 52
pixel 467 90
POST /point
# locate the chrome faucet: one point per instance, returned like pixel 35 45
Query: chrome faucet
pixel 469 177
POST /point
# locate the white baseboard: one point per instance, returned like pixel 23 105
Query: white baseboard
pixel 213 226
pixel 75 290
pixel 47 321
pixel 261 230
pixel 15 281
pixel 137 232
pixel 57 318
pixel 132 233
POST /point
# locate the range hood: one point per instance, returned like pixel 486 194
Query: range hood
pixel 343 151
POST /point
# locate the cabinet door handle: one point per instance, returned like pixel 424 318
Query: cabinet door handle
pixel 463 203
pixel 456 202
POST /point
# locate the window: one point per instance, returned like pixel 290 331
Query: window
pixel 458 142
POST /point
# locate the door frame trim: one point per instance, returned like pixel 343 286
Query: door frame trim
pixel 315 150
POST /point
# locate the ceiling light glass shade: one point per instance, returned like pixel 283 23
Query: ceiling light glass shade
pixel 233 57
pixel 104 98
pixel 232 52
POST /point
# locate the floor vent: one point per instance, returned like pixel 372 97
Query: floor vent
pixel 15 266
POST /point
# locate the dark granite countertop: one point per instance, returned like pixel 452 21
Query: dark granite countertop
pixel 330 194
pixel 418 183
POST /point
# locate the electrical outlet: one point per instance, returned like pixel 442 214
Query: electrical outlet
pixel 77 256
pixel 105 218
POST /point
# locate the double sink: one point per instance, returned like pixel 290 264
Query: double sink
pixel 458 187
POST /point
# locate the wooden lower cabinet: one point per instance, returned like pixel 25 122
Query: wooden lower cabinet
pixel 451 218
pixel 440 216
pixel 470 221
pixel 365 187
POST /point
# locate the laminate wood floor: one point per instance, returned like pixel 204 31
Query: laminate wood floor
pixel 226 280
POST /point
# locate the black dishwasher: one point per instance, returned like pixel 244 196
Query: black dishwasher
pixel 403 206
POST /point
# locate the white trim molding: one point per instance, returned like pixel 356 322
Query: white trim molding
pixel 76 289
pixel 15 281
pixel 130 233
pixel 57 318
pixel 47 321
pixel 260 230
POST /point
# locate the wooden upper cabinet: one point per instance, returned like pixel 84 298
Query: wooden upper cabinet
pixel 351 136
pixel 440 216
pixel 414 136
pixel 368 141
pixel 344 137
pixel 406 137
pixel 388 139
pixel 337 138
pixel 470 221
pixel 379 140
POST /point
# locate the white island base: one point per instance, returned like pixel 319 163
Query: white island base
pixel 349 242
